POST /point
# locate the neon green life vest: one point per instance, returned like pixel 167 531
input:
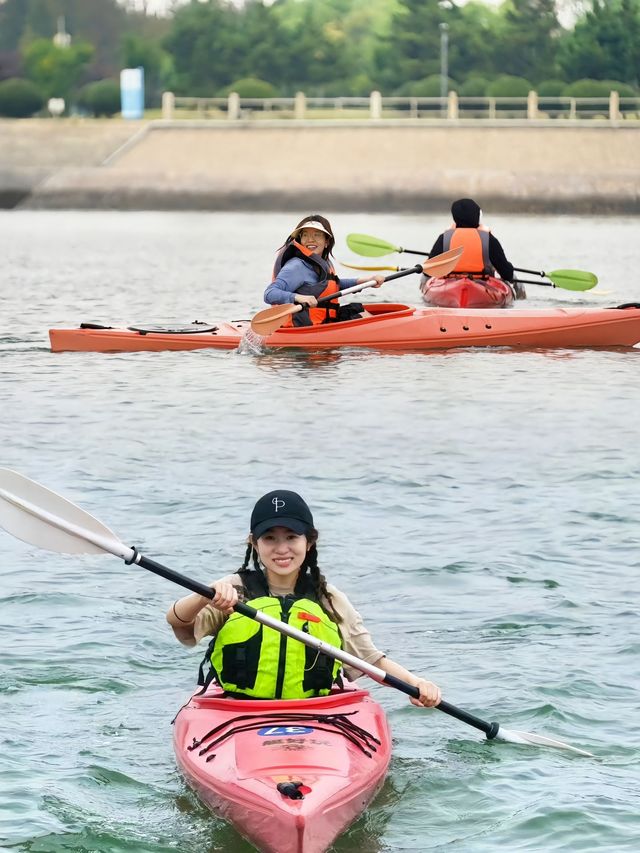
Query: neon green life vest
pixel 255 660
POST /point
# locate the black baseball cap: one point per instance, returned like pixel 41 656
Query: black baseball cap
pixel 281 509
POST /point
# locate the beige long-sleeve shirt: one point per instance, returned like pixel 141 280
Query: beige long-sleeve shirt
pixel 356 639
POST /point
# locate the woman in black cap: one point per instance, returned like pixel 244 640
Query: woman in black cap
pixel 303 273
pixel 285 581
pixel 483 254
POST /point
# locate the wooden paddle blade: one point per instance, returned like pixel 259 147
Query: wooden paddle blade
pixel 269 320
pixel 573 279
pixel 443 264
pixel 370 247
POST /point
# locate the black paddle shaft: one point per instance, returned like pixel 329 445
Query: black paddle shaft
pixel 531 272
pixel 188 583
pixel 490 729
pixel 401 274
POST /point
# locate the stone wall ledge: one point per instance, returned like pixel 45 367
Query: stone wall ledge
pixel 97 188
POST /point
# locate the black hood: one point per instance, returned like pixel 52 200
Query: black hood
pixel 466 213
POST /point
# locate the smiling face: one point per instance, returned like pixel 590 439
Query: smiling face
pixel 314 240
pixel 282 554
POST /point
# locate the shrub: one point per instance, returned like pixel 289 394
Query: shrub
pixel 101 98
pixel 587 88
pixel 250 87
pixel 551 88
pixel 508 86
pixel 428 87
pixel 474 87
pixel 19 98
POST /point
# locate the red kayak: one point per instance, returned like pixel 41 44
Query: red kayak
pixel 391 327
pixel 290 775
pixel 467 292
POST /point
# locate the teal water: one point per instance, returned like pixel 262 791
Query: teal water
pixel 480 507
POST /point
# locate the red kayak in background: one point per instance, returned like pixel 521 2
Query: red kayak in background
pixel 467 292
pixel 391 327
pixel 290 775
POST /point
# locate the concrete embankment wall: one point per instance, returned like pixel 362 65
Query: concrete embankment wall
pixel 402 166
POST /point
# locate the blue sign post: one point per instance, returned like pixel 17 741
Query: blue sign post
pixel 132 92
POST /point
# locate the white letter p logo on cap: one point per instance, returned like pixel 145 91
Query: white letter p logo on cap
pixel 278 504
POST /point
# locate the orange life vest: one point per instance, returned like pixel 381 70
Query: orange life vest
pixel 475 256
pixel 325 286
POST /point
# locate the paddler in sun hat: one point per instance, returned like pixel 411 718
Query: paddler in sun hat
pixel 483 253
pixel 280 576
pixel 303 272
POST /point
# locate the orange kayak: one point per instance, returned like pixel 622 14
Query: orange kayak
pixel 290 775
pixel 392 327
pixel 467 292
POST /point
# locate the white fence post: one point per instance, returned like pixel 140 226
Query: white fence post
pixel 168 104
pixel 532 105
pixel 452 106
pixel 300 106
pixel 233 106
pixel 375 105
pixel 614 106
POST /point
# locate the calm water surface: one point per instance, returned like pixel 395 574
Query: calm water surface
pixel 480 507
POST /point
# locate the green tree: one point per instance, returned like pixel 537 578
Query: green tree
pixel 473 48
pixel 139 51
pixel 13 16
pixel 411 50
pixel 56 70
pixel 10 64
pixel 206 44
pixel 318 53
pixel 604 43
pixel 527 38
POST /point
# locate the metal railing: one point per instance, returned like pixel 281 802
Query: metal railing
pixel 454 107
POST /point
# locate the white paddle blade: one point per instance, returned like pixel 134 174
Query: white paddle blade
pixel 511 736
pixel 24 507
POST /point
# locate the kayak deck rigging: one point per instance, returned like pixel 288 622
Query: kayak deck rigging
pixel 340 723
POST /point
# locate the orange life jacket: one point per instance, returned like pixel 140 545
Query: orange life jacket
pixel 475 256
pixel 325 286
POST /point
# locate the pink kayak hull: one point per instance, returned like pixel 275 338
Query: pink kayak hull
pixel 466 292
pixel 238 776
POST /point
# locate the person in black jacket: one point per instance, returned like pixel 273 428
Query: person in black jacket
pixel 483 253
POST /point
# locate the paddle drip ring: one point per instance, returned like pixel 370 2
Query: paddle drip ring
pixel 134 558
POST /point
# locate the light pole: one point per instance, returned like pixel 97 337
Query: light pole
pixel 444 62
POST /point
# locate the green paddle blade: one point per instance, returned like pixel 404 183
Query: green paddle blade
pixel 573 279
pixel 370 247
